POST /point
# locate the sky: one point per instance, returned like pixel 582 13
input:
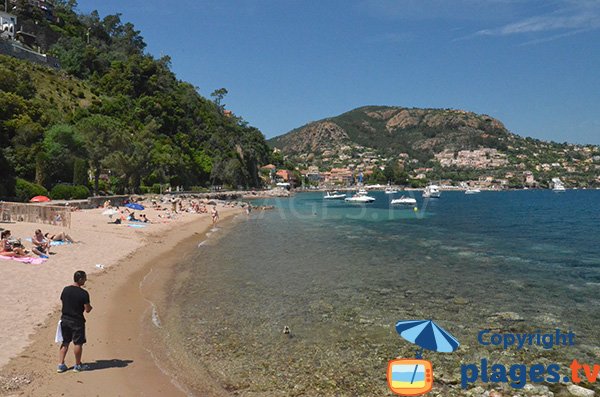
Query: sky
pixel 532 64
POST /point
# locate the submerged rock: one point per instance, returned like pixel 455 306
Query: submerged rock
pixel 507 316
pixel 579 391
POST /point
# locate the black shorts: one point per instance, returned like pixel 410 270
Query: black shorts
pixel 73 331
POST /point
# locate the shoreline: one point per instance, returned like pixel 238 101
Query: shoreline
pixel 120 364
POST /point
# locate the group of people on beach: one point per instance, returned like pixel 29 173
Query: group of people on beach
pixel 41 242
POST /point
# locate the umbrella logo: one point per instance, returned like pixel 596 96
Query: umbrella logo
pixel 413 377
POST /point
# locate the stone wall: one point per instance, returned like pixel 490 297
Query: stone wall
pixel 13 49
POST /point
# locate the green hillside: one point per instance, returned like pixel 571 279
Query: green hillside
pixel 114 112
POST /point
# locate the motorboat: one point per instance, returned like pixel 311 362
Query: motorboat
pixel 359 198
pixel 472 190
pixel 390 190
pixel 558 186
pixel 334 196
pixel 404 201
pixel 432 191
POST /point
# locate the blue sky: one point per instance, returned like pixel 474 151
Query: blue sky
pixel 533 64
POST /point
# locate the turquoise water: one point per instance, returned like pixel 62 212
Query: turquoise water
pixel 340 276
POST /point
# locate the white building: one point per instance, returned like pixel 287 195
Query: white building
pixel 8 24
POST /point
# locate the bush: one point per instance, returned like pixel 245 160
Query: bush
pixel 199 189
pixel 68 192
pixel 26 190
pixel 155 188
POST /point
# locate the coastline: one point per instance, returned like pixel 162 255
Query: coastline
pixel 119 361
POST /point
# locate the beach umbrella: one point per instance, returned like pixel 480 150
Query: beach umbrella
pixel 134 206
pixel 39 199
pixel 427 335
pixel 110 212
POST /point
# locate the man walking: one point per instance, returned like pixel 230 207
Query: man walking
pixel 75 300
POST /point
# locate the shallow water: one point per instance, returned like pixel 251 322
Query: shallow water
pixel 340 276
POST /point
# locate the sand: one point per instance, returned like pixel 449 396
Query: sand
pixel 118 260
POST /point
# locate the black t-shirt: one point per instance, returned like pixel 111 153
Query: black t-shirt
pixel 73 298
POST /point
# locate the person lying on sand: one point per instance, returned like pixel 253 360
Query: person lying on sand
pixel 8 248
pixel 59 237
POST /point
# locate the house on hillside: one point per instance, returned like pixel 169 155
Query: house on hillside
pixel 46 7
pixel 285 176
pixel 8 25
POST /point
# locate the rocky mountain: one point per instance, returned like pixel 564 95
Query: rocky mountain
pixel 435 144
pixel 419 132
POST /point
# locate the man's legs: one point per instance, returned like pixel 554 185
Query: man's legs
pixel 62 353
pixel 78 350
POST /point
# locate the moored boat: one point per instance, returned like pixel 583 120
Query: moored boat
pixel 432 191
pixel 360 198
pixel 558 186
pixel 404 201
pixel 334 196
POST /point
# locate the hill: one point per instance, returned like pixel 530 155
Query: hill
pixel 432 144
pixel 115 112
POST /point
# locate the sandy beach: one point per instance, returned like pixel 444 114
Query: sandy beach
pixel 119 260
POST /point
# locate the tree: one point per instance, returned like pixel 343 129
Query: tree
pixel 102 135
pixel 218 96
pixel 62 145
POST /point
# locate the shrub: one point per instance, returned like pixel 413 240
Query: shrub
pixel 26 190
pixel 199 189
pixel 68 192
pixel 155 188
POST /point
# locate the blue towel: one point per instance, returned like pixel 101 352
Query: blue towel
pixel 135 225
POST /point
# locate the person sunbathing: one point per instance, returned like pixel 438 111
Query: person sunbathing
pixel 59 237
pixel 8 248
pixel 41 246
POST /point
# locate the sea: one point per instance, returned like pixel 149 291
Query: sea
pixel 302 299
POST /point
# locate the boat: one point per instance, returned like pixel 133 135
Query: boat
pixel 404 200
pixel 432 191
pixel 360 198
pixel 390 190
pixel 472 190
pixel 334 196
pixel 558 186
pixel 362 191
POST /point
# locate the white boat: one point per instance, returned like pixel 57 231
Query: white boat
pixel 472 191
pixel 334 196
pixel 362 191
pixel 558 186
pixel 404 200
pixel 360 198
pixel 432 191
pixel 390 190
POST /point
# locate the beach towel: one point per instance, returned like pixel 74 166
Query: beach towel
pixel 24 259
pixel 135 225
pixel 58 338
pixel 52 243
